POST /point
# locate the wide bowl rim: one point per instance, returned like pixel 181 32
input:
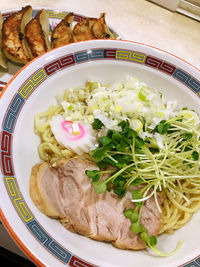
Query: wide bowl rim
pixel 99 40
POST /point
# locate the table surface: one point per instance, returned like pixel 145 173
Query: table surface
pixel 136 20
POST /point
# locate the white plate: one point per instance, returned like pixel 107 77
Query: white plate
pixel 32 90
pixel 55 16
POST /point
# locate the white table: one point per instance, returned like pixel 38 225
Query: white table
pixel 136 20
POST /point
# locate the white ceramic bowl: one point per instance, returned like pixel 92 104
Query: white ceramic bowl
pixel 32 90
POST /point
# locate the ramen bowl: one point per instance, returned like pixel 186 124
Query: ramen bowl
pixel 31 91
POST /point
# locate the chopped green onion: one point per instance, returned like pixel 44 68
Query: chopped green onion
pixel 144 93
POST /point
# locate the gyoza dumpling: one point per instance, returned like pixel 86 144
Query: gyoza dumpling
pixel 62 33
pixel 3 60
pixel 13 43
pixel 37 34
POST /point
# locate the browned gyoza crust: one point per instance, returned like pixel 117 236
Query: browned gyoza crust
pixel 92 28
pixel 100 29
pixel 24 38
pixel 3 59
pixel 35 36
pixel 82 30
pixel 13 35
pixel 62 33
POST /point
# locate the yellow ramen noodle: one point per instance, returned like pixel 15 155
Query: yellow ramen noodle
pixel 49 149
pixel 176 210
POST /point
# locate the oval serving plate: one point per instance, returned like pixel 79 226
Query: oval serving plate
pixel 32 90
pixel 55 16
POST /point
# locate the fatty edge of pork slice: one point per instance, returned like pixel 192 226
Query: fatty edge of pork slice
pixel 45 191
pixel 96 216
pixel 77 194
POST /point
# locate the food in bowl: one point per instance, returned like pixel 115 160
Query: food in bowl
pixel 120 163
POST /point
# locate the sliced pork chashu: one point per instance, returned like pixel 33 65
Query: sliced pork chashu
pixel 45 191
pixel 66 193
pixel 13 43
pixel 37 34
pixel 62 33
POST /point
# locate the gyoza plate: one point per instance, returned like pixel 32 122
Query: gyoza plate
pixel 55 16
